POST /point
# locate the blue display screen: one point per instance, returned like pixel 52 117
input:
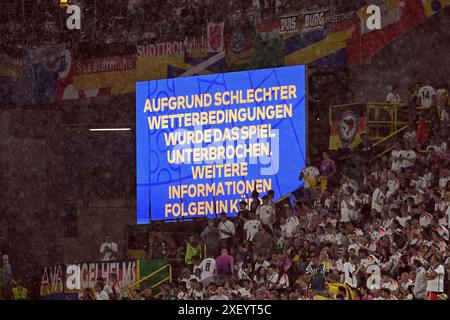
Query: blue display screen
pixel 204 143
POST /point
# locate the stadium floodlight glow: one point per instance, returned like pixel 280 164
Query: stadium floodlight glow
pixel 110 129
pixel 64 3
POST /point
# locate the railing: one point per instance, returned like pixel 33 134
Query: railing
pixel 154 273
pixel 384 120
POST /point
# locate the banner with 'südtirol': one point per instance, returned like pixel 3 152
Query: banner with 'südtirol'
pixel 203 143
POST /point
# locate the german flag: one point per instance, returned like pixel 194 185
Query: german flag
pixel 347 124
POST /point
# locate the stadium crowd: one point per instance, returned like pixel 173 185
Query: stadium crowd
pixel 361 230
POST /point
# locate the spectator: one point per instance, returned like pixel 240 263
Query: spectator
pixel 423 133
pixel 251 227
pixel 108 249
pixel 221 295
pixel 226 232
pixel 6 283
pixel 243 216
pixel 255 202
pixel 409 138
pixel 88 294
pixel 193 248
pixel 393 96
pixel 262 242
pixel 159 247
pixel 327 171
pixel 148 294
pixel 425 95
pixel 435 279
pixel 420 284
pixel 208 269
pixel 100 293
pixel 225 265
pixel 113 288
pixel 435 117
pixel 210 236
pixel 266 212
pixel 136 295
pixel 316 273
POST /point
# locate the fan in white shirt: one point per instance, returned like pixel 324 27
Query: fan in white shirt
pixel 435 276
pixel 425 95
pixel 417 181
pixel 108 249
pixel 251 227
pixel 393 184
pixel 397 158
pixel 349 271
pixel 208 267
pixel 266 212
pixel 378 198
pixel 311 172
pixel 393 96
pixel 444 178
pixel 261 263
pixel 409 158
pixel 348 182
pixel 403 217
pixel 227 226
pixel 348 206
pixel 100 293
pixel 410 136
pixel 292 224
pixel 272 277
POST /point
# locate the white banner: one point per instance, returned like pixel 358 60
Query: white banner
pixel 215 37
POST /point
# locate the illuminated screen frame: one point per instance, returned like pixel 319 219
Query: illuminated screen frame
pixel 154 174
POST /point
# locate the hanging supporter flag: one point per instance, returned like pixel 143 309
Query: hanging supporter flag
pixel 86 78
pixel 305 21
pixel 290 23
pixel 239 41
pixel 215 37
pixel 46 63
pixel 347 124
pixel 49 57
pixel 268 45
pixel 313 20
pixel 268 29
pixel 391 12
pixel 239 46
pixel 401 17
pixel 338 21
pixel 434 6
pixel 73 278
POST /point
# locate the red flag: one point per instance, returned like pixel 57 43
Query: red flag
pixel 362 47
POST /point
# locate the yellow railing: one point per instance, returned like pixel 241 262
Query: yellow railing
pixel 157 271
pixel 376 112
pixel 393 134
pixel 385 121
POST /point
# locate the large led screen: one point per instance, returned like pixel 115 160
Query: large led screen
pixel 204 143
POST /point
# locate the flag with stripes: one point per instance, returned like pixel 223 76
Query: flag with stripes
pixel 347 125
